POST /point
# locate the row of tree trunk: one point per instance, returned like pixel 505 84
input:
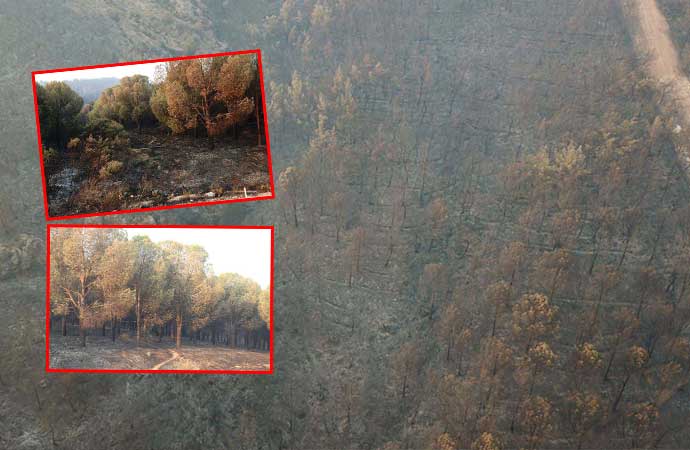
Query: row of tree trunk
pixel 237 338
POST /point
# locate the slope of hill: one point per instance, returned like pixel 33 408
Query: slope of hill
pixel 90 89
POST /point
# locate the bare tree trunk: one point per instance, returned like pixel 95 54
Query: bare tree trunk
pixel 138 317
pixel 178 322
pixel 620 392
pixel 256 109
pixel 82 333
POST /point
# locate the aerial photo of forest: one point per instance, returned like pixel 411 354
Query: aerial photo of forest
pixel 482 228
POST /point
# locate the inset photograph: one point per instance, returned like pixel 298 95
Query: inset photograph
pixel 153 134
pixel 171 298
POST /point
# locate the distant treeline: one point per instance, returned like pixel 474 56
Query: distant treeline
pixel 209 95
pixel 90 89
pixel 100 279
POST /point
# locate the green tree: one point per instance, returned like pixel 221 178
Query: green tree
pixel 185 269
pixel 241 298
pixel 206 293
pixel 58 112
pixel 129 102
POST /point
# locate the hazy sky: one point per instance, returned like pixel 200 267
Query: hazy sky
pixel 105 72
pixel 246 252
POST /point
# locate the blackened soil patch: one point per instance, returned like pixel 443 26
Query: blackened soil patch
pixel 162 169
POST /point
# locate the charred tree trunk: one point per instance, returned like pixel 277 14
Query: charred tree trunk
pixel 178 322
pixel 620 392
pixel 294 212
pixel 256 109
pixel 138 295
pixel 82 333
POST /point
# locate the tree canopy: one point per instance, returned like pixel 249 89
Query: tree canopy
pixel 128 102
pixel 58 111
pixel 99 276
pixel 210 93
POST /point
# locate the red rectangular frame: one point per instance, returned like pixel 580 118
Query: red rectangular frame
pixel 235 372
pixel 155 208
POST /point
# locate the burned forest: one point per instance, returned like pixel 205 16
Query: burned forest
pixel 119 303
pixel 194 132
pixel 482 230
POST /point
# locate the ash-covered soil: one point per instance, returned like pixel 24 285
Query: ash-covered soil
pixel 160 169
pixel 102 353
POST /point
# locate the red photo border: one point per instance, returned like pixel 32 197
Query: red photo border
pixel 257 51
pixel 218 372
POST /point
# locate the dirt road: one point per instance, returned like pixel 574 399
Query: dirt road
pixel 174 356
pixel 653 40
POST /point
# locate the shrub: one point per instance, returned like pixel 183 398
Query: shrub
pixel 97 152
pixel 112 199
pixel 88 197
pixel 110 168
pixel 104 127
pixel 94 196
pixel 121 140
pixel 50 156
pixel 73 143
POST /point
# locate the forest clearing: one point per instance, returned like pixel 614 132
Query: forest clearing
pixel 103 353
pixel 132 299
pixel 172 133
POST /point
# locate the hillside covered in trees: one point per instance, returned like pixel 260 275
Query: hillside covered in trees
pixel 481 237
pixel 193 134
pixel 90 89
pixel 139 293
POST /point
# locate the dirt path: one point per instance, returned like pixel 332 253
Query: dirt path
pixel 124 354
pixel 175 355
pixel 653 40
